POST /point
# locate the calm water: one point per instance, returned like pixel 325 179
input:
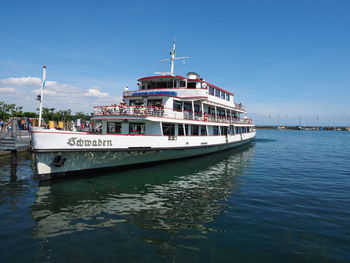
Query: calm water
pixel 285 198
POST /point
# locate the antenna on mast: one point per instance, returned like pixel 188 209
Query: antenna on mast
pixel 172 58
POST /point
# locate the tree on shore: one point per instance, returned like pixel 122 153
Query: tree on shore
pixel 12 110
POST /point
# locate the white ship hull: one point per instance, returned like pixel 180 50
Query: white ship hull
pixel 82 152
pixel 168 117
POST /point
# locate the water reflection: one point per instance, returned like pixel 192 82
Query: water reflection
pixel 177 196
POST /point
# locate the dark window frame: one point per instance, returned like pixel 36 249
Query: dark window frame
pixel 216 130
pixel 180 130
pixel 137 128
pixel 195 130
pixel 212 90
pixel 203 128
pixel 217 93
pixel 115 124
pixel 178 105
pixel 168 129
pixel 191 85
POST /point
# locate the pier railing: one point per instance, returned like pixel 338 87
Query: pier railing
pixel 154 111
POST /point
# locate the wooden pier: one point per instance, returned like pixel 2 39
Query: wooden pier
pixel 13 140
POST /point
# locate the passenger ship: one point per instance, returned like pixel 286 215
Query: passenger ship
pixel 168 117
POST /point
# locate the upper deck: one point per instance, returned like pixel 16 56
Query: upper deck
pixel 176 98
pixel 191 88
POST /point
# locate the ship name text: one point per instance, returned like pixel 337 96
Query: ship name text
pixel 74 141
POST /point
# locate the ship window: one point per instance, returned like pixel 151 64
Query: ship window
pixel 211 90
pixel 223 95
pixel 158 103
pixel 186 129
pixel 215 130
pixel 203 130
pixel 137 128
pixel 195 130
pixel 182 84
pixel 168 129
pixel 161 85
pixel 151 85
pixel 164 84
pixel 227 96
pixel 191 85
pixel 171 84
pixel 232 130
pixel 187 106
pixel 217 93
pixel 181 130
pixel 223 130
pixel 114 127
pixel 177 105
pixel 196 108
pixel 136 102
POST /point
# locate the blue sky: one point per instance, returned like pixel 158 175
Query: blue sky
pixel 280 58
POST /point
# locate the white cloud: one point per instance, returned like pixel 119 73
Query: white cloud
pixel 95 93
pixel 7 89
pixel 23 90
pixel 22 81
pixel 46 92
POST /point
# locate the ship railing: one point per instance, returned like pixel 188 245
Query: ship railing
pixel 159 111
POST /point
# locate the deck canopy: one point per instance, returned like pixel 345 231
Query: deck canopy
pixel 193 81
pixel 162 82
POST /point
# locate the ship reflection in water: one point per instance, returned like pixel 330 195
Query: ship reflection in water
pixel 180 197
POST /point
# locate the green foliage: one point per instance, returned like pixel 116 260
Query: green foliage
pixel 6 110
pixel 30 114
pixel 81 115
pixel 12 110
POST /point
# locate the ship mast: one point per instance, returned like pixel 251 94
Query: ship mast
pixel 172 58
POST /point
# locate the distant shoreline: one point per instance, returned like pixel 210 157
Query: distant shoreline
pixel 316 128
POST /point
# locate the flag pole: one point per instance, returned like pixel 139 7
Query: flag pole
pixel 42 95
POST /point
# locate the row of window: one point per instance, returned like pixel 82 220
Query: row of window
pixel 183 129
pixel 219 93
pixel 134 128
pixel 164 85
pixel 186 129
pixel 191 85
pixel 177 106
